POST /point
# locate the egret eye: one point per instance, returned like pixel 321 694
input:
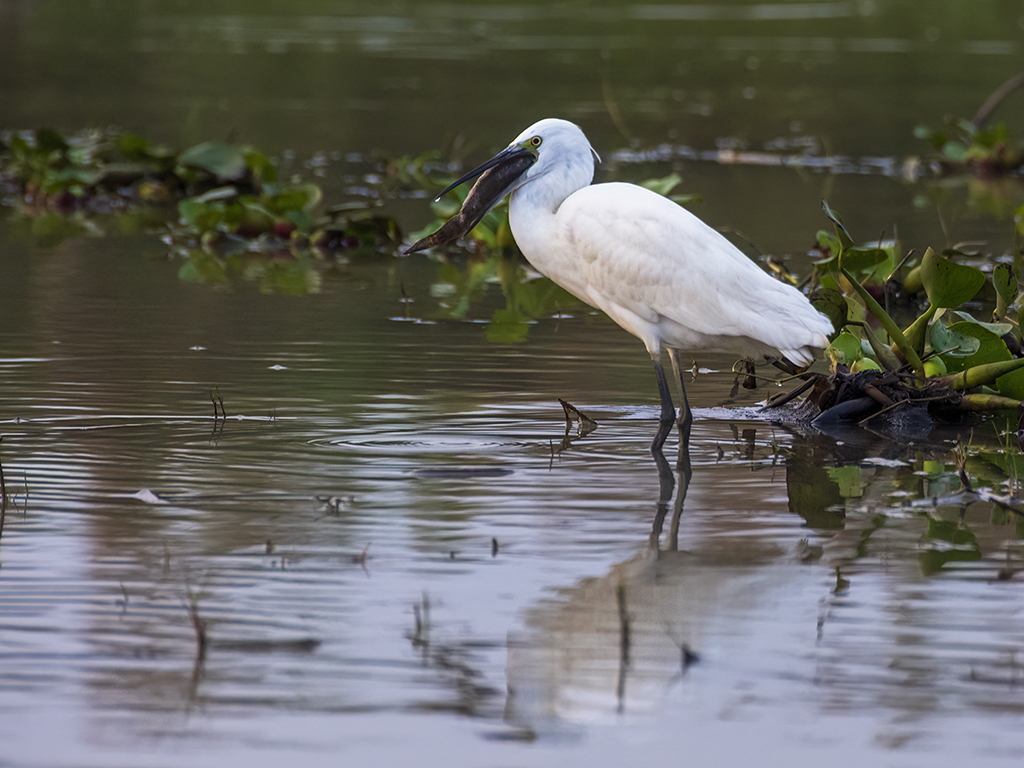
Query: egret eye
pixel 536 141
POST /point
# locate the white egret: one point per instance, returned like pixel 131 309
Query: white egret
pixel 649 264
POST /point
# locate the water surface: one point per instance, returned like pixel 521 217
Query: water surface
pixel 398 553
pixel 394 556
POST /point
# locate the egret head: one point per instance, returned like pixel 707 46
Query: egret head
pixel 552 148
pixel 562 151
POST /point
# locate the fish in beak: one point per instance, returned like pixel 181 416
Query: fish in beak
pixel 498 177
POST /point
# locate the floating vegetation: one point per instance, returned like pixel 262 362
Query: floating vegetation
pixel 961 146
pixel 942 364
pixel 228 218
pixel 972 146
pixel 213 201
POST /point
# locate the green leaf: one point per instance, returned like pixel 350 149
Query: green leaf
pixel 948 343
pixel 833 305
pixel 253 219
pixel 884 354
pixel 1011 385
pixel 21 149
pixel 847 346
pixel 937 138
pixel 304 197
pixel 200 216
pixel 224 161
pixel 955 151
pixel 917 332
pixel 947 283
pixel 990 348
pixel 841 231
pixel 686 199
pixel 830 243
pixel 262 167
pixel 861 259
pixel 301 219
pixel 48 140
pixel 190 209
pixel 663 185
pixel 133 146
pixel 1005 283
pixel 999 329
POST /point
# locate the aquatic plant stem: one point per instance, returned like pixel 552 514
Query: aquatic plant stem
pixel 888 323
pixel 996 98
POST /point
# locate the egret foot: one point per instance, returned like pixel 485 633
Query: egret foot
pixel 668 417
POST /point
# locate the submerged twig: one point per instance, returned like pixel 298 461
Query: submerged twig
pixel 198 625
pixel 421 616
pixel 216 399
pixel 200 629
pixel 966 497
pixel 587 424
pixel 361 558
pixel 784 397
pixel 960 453
pixel 624 644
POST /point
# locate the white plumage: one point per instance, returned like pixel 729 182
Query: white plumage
pixel 651 265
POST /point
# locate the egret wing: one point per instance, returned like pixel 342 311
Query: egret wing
pixel 642 253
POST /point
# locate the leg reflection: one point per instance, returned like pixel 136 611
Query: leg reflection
pixel 666 485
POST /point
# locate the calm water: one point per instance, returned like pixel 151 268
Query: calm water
pixel 394 559
pixel 398 557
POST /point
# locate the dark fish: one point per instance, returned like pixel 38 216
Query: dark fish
pixel 494 183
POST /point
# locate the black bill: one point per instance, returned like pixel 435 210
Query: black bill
pixel 497 177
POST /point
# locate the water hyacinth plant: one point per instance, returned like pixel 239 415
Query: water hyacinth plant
pixel 945 361
pixel 225 194
pixel 973 145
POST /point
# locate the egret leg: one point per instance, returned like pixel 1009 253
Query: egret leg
pixel 685 420
pixel 685 414
pixel 668 410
